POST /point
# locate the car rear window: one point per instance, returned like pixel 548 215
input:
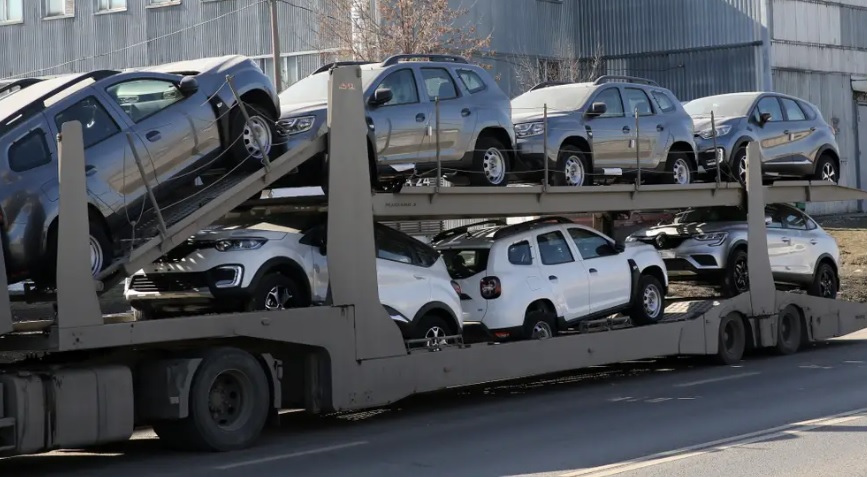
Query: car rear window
pixel 464 263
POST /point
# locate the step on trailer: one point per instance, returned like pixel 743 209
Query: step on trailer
pixel 96 378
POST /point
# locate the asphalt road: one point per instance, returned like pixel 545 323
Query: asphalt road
pixel 791 416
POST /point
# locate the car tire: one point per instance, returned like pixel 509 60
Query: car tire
pixel 824 282
pixel 538 325
pixel 432 326
pixel 275 291
pixel 490 155
pixel 826 169
pixel 736 275
pixel 648 306
pixel 573 168
pixel 241 142
pixel 101 249
pixel 679 169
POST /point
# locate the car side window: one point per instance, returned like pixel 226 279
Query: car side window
pixel 793 111
pixel 613 102
pixel 772 218
pixel 591 245
pixel 472 81
pixel 29 152
pixel 663 101
pixel 553 249
pixel 143 98
pixel 636 99
pixel 770 105
pixel 403 87
pixel 519 253
pixel 97 125
pixel 439 84
pixel 389 247
pixel 794 220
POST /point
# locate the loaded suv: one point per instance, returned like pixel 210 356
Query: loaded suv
pixel 273 266
pixel 534 279
pixel 475 138
pixel 177 119
pixel 709 246
pixel 793 137
pixel 592 131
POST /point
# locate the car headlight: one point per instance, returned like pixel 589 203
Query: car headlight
pixel 296 125
pixel 631 239
pixel 715 238
pixel 529 129
pixel 229 245
pixel 720 132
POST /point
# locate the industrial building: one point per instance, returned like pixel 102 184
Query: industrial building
pixel 814 49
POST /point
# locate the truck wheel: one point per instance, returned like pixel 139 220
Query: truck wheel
pixel 732 339
pixel 229 405
pixel 648 305
pixel 789 330
pixel 539 325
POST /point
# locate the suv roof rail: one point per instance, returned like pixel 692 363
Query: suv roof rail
pixel 464 228
pixel 335 64
pixel 530 225
pixel 395 59
pixel 19 83
pixel 548 84
pixel 630 79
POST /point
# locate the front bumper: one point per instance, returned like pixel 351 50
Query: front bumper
pixel 218 284
pixel 691 257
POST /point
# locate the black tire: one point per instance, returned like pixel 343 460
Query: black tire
pixel 539 324
pixel 732 340
pixel 479 177
pixel 789 331
pixel 240 377
pixel 276 291
pixel 648 306
pixel 241 143
pixel 47 277
pixel 826 166
pixel 737 162
pixel 573 159
pixel 432 326
pixel 825 281
pixel 323 175
pixel 679 164
pixel 736 278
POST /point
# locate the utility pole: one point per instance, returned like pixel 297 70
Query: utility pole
pixel 275 48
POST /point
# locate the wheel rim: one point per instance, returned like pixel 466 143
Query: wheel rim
pixel 255 128
pixel 494 166
pixel 278 298
pixel 652 301
pixel 826 284
pixel 681 172
pixel 742 169
pixel 573 169
pixel 541 331
pixel 741 275
pixel 435 335
pixel 96 256
pixel 226 399
pixel 829 173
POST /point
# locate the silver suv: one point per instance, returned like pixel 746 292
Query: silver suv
pixel 592 131
pixel 476 137
pixel 709 246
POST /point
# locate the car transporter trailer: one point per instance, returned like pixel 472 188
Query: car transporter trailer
pixel 213 382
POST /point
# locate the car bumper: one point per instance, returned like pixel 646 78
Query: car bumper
pixel 218 284
pixel 693 258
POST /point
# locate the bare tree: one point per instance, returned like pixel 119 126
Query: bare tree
pixel 370 30
pixel 565 66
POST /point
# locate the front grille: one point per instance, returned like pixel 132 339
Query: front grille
pixel 183 250
pixel 168 282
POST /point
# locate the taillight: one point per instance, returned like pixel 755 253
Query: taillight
pixel 490 288
pixel 457 287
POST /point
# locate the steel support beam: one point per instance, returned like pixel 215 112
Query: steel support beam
pixel 762 287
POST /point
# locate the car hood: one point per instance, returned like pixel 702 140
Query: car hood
pixel 703 122
pixel 535 115
pixel 265 230
pixel 688 229
pixel 294 109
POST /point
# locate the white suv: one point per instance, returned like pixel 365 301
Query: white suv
pixel 269 266
pixel 534 279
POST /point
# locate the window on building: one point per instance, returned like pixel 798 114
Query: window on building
pixel 110 5
pixel 157 3
pixel 59 8
pixel 11 11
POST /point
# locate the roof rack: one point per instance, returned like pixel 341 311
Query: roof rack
pixel 335 64
pixel 395 59
pixel 530 225
pixel 548 84
pixel 464 228
pixel 629 79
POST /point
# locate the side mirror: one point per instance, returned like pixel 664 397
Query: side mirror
pixel 597 109
pixel 768 220
pixel 619 247
pixel 764 118
pixel 188 86
pixel 380 97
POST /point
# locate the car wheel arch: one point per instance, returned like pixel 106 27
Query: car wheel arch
pixel 827 149
pixel 827 258
pixel 581 143
pixel 288 267
pixel 437 307
pixel 501 135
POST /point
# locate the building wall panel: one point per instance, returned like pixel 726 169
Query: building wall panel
pixel 807 22
pixel 819 58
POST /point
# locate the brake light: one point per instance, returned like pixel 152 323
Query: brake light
pixel 490 288
pixel 457 287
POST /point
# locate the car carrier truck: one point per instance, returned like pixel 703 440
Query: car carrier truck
pixel 212 382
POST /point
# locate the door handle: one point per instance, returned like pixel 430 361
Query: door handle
pixel 626 129
pixel 419 277
pixel 786 239
pixel 786 132
pixel 465 112
pixel 420 117
pixel 89 170
pixel 813 129
pixel 592 270
pixel 813 241
pixel 552 277
pixel 660 127
pixel 153 136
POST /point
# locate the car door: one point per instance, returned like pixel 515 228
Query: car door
pixel 567 276
pixel 801 257
pixel 315 238
pixel 779 243
pixel 453 123
pixel 401 124
pixel 649 127
pixel 403 285
pixel 772 134
pixel 610 133
pixel 610 276
pixel 799 131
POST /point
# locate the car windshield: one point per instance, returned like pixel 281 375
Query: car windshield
pixel 721 106
pixel 314 88
pixel 566 98
pixel 709 214
pixel 464 263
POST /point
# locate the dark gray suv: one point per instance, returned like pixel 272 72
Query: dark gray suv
pixel 181 117
pixel 795 140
